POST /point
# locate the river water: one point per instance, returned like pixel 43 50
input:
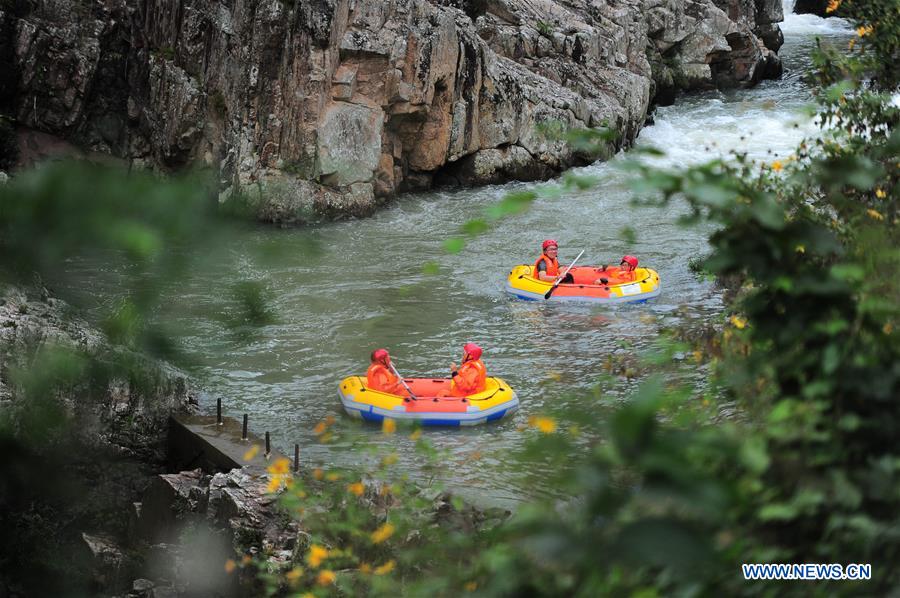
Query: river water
pixel 342 289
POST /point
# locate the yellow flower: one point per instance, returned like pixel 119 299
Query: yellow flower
pixel 416 435
pixel 851 43
pixel 738 322
pixel 385 568
pixel 318 473
pixel 365 568
pixel 471 586
pixel 323 425
pixel 864 31
pixel 280 466
pixel 252 452
pixel 274 484
pixel 316 555
pixel 356 488
pixel 833 5
pixel 294 574
pixel 800 249
pixel 389 459
pixel 230 566
pixel 246 559
pixel 546 425
pixel 874 214
pixel 888 328
pixel 326 577
pixel 777 165
pixel 880 193
pixel 332 477
pixel 389 426
pixel 698 356
pixel 308 595
pixel 382 533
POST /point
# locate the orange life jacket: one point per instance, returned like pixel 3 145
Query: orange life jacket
pixel 380 378
pixel 552 266
pixel 626 275
pixel 469 379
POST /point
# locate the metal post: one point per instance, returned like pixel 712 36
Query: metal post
pixel 244 432
pixel 268 446
pixel 219 411
pixel 296 458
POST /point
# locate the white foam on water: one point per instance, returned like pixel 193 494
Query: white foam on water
pixel 762 130
pixel 799 25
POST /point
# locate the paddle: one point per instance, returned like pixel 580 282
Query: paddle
pixel 403 382
pixel 558 280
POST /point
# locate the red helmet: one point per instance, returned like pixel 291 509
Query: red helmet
pixel 630 260
pixel 380 355
pixel 549 243
pixel 472 350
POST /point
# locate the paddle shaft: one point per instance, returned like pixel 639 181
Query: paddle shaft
pixel 558 280
pixel 403 382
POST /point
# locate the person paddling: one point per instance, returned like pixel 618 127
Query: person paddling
pixel 379 375
pixel 546 267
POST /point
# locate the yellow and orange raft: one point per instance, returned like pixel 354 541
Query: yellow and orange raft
pixel 620 286
pixel 496 401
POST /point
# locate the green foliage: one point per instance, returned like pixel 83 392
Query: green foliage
pixel 166 52
pixel 545 28
pixel 144 231
pixel 251 310
pixel 141 227
pixel 873 58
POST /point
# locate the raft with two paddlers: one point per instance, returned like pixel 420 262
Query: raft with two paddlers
pixel 429 407
pixel 588 284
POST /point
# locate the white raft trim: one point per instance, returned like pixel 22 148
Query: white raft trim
pixel 583 298
pixel 355 409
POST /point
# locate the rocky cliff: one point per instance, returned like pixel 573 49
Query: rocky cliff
pixel 321 107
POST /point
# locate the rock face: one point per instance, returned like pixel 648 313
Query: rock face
pixel 322 107
pixel 128 417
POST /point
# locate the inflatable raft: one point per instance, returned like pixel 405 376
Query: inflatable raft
pixel 620 286
pixel 495 402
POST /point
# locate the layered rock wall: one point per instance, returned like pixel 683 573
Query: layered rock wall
pixel 321 107
pixel 126 416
